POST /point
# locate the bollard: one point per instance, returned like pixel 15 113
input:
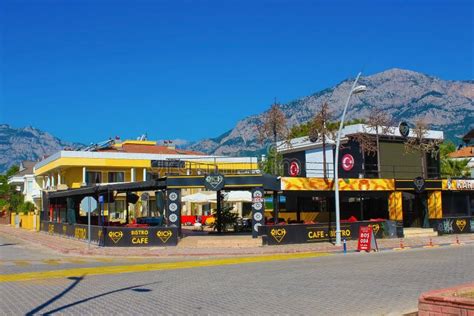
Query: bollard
pixel 431 242
pixel 401 244
pixel 345 246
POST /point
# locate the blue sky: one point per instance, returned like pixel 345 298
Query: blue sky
pixel 88 70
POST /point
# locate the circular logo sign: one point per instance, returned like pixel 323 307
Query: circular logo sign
pixel 256 226
pixel 173 207
pixel 258 206
pixel 173 218
pixel 173 196
pixel 294 169
pixel 404 129
pixel 347 162
pixel 257 194
pixel 257 216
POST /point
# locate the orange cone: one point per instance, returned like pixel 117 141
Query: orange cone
pixel 402 246
pixel 457 243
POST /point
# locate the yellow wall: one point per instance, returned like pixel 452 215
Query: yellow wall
pixel 26 220
pixel 395 206
pixel 435 205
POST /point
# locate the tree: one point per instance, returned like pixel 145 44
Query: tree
pixel 226 219
pixel 318 128
pixel 452 167
pixel 381 122
pixel 420 144
pixel 274 127
pixel 273 163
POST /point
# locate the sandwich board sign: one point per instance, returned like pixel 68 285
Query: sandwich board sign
pixel 366 240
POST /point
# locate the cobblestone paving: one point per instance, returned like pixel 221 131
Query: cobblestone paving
pixel 354 284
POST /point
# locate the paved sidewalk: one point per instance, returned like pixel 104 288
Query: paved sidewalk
pixel 69 246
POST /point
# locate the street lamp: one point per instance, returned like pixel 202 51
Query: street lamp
pixel 354 90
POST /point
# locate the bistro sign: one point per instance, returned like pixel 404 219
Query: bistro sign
pixel 116 236
pixel 301 233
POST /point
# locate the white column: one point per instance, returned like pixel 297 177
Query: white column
pixel 84 170
pixel 52 180
pixel 44 183
pixel 144 174
pixel 59 177
pixel 132 172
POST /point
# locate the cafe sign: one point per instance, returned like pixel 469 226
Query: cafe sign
pixel 458 184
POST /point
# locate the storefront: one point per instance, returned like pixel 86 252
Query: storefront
pixel 61 209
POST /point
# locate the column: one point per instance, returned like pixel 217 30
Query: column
pixel 395 202
pixel 132 174
pixel 59 177
pixel 52 180
pixel 144 174
pixel 84 172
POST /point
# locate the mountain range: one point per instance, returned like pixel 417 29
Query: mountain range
pixel 406 95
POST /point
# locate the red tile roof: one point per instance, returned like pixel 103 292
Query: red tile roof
pixel 464 152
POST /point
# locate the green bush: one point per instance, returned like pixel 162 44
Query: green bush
pixel 26 207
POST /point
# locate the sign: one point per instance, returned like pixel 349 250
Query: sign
pixel 464 184
pixel 347 162
pixel 88 204
pixel 295 169
pixel 214 182
pixel 312 233
pixel 454 225
pixel 313 136
pixel 116 236
pixel 174 208
pixel 172 163
pixel 404 129
pixel 258 209
pixel 419 184
pixel 366 240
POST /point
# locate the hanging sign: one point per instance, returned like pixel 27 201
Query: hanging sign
pixel 419 184
pixel 404 129
pixel 347 162
pixel 367 241
pixel 214 182
pixel 295 169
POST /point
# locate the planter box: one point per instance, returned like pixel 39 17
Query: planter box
pixel 457 300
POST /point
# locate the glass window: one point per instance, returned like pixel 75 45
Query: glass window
pixel 93 177
pixel 29 187
pixel 116 177
pixel 455 204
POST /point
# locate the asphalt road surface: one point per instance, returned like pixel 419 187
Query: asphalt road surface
pixel 39 282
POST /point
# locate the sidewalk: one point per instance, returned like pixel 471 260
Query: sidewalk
pixel 69 246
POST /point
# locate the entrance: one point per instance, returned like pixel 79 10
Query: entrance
pixel 415 210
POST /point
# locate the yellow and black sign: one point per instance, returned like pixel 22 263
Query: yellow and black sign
pixel 300 233
pixel 115 236
pixel 164 235
pixel 278 234
pixel 80 233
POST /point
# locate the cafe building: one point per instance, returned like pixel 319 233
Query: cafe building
pixel 398 194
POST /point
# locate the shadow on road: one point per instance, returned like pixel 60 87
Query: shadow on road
pixel 7 244
pixel 135 288
pixel 55 298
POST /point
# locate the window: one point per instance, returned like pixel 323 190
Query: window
pixel 93 177
pixel 116 177
pixel 29 187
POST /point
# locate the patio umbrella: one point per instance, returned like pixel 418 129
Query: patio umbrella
pixel 197 198
pixel 236 196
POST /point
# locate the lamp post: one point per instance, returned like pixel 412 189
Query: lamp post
pixel 354 90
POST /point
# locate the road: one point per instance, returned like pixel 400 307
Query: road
pixel 353 284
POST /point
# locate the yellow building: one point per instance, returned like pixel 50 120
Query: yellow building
pixel 131 161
